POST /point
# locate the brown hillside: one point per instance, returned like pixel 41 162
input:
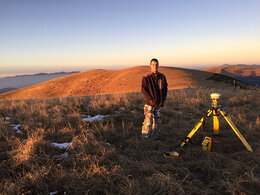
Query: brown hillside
pixel 107 82
pixel 242 71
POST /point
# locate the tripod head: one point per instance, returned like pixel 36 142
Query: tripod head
pixel 215 97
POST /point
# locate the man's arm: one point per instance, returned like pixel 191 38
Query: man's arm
pixel 145 90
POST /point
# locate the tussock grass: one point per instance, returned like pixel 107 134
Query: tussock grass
pixel 107 156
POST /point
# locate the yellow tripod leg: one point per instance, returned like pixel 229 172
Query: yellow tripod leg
pixel 196 127
pixel 216 122
pixel 240 136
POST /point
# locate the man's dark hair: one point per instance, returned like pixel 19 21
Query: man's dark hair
pixel 155 60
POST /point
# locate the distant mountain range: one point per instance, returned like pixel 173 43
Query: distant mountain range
pixel 19 81
pixel 41 74
pixel 249 74
pixel 243 65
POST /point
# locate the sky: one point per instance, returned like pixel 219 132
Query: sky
pixel 78 35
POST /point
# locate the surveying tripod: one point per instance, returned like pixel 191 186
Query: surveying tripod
pixel 215 110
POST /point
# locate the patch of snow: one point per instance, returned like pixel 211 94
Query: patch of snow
pixel 116 111
pixel 61 145
pixel 95 118
pixel 108 143
pixel 53 193
pixel 122 108
pixel 16 128
pixel 7 118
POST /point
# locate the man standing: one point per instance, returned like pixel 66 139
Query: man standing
pixel 154 88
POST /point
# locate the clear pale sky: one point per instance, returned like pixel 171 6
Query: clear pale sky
pixel 65 35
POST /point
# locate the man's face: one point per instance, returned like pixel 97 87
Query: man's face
pixel 154 67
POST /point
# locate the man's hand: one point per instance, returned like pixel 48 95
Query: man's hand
pixel 152 103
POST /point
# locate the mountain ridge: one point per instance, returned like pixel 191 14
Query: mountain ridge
pixel 247 74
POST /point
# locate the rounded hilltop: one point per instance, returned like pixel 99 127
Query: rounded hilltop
pixel 99 81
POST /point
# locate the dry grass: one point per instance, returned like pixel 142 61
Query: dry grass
pixel 107 157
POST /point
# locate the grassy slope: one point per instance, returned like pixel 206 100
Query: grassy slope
pixel 108 82
pixel 128 166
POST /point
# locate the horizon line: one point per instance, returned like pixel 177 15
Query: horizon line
pixel 32 73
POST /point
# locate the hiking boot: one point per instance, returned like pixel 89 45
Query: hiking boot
pixel 144 137
pixel 156 136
